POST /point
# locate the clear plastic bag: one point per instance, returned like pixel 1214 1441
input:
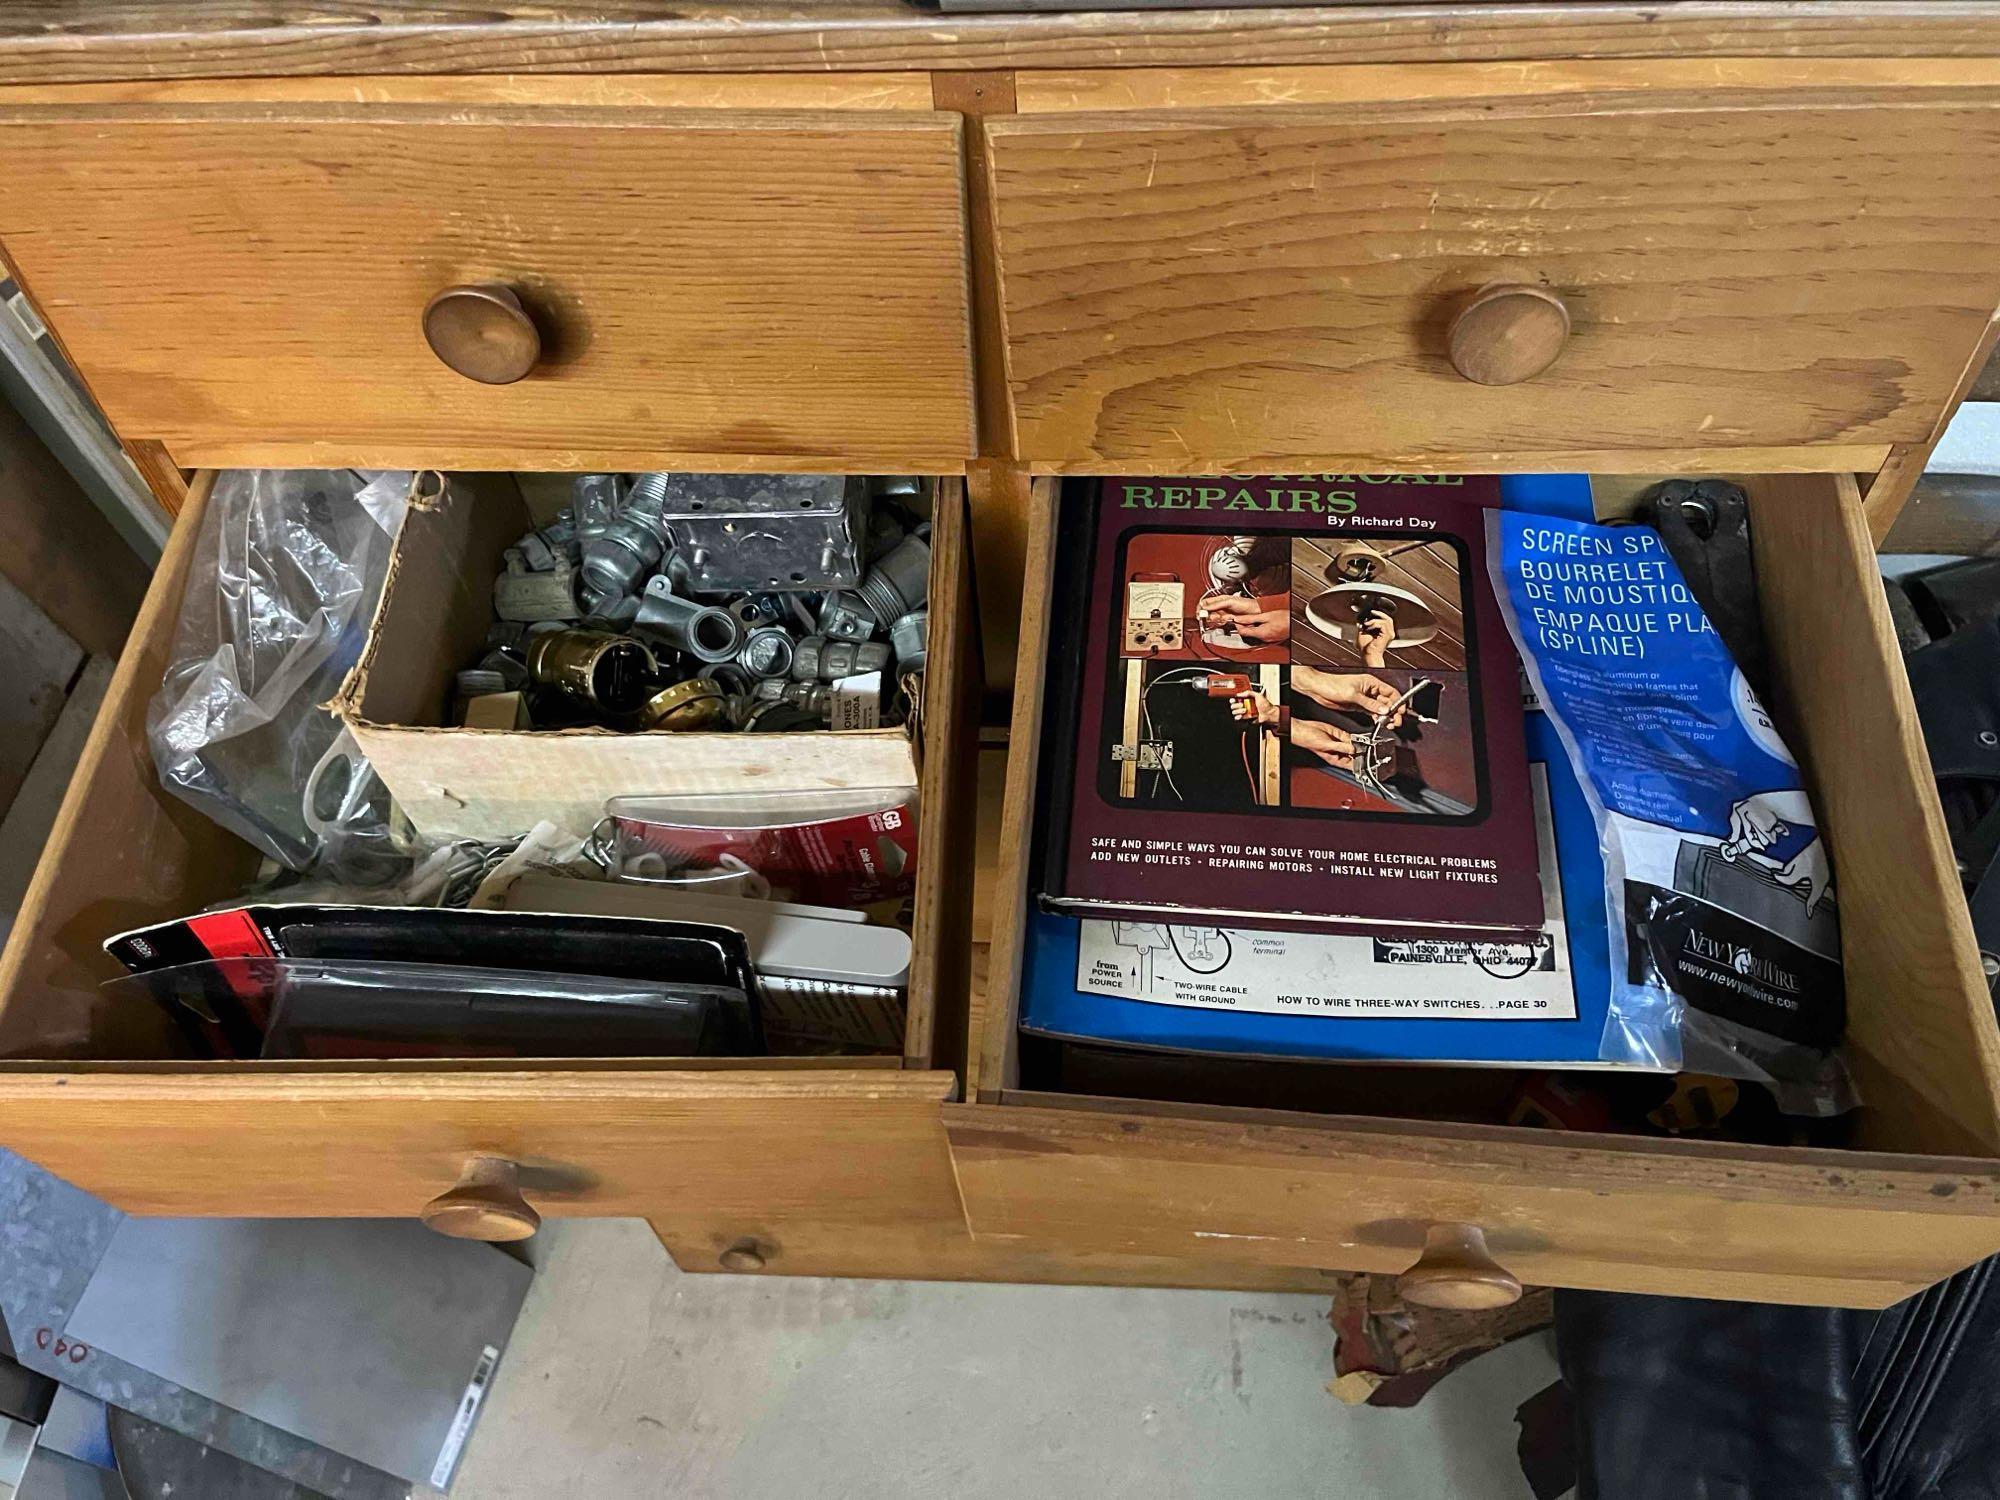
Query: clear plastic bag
pixel 287 570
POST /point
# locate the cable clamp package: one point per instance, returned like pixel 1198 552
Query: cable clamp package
pixel 850 847
pixel 1724 932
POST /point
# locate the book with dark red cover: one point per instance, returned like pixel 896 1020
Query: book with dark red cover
pixel 1284 701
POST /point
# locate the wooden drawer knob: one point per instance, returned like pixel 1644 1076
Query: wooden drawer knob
pixel 1508 333
pixel 482 332
pixel 485 1204
pixel 746 1255
pixel 1456 1272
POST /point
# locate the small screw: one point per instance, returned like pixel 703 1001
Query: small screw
pixel 1988 738
pixel 1991 965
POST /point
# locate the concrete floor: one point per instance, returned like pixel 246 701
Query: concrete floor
pixel 627 1378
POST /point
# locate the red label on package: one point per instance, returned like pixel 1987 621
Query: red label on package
pixel 853 860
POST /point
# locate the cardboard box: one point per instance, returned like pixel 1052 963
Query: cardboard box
pixel 498 711
pixel 495 784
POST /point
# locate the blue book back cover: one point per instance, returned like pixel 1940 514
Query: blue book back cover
pixel 1053 1005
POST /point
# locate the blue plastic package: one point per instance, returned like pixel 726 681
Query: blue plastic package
pixel 1723 934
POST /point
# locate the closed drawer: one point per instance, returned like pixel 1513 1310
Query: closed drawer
pixel 247 282
pixel 1216 281
pixel 719 1147
pixel 1915 1198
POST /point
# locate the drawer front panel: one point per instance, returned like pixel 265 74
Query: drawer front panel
pixel 727 1148
pixel 732 284
pixel 1232 288
pixel 915 1250
pixel 1768 1225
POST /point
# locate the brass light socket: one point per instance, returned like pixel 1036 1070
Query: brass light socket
pixel 611 673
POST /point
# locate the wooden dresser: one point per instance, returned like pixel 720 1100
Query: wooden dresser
pixel 1745 238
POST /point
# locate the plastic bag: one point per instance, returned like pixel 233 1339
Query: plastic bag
pixel 287 571
pixel 1724 935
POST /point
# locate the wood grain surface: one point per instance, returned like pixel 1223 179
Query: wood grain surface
pixel 1884 496
pixel 1919 1017
pixel 941 1250
pixel 1051 91
pixel 49 41
pixel 1767 1224
pixel 727 1148
pixel 996 1062
pixel 948 768
pixel 979 97
pixel 843 91
pixel 708 282
pixel 1818 458
pixel 163 475
pixel 999 492
pixel 1198 287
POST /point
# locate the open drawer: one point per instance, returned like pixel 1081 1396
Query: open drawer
pixel 1915 1198
pixel 716 1151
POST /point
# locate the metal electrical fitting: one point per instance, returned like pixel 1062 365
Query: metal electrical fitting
pixel 819 658
pixel 694 704
pixel 536 553
pixel 561 535
pixel 900 582
pixel 730 677
pixel 764 531
pixel 815 698
pixel 767 652
pixel 613 614
pixel 612 673
pixel 759 609
pixel 528 597
pixel 630 546
pixel 706 632
pixel 884 532
pixel 845 617
pixel 598 498
pixel 911 637
pixel 779 718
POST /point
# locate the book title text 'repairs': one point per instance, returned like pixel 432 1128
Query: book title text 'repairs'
pixel 1316 494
